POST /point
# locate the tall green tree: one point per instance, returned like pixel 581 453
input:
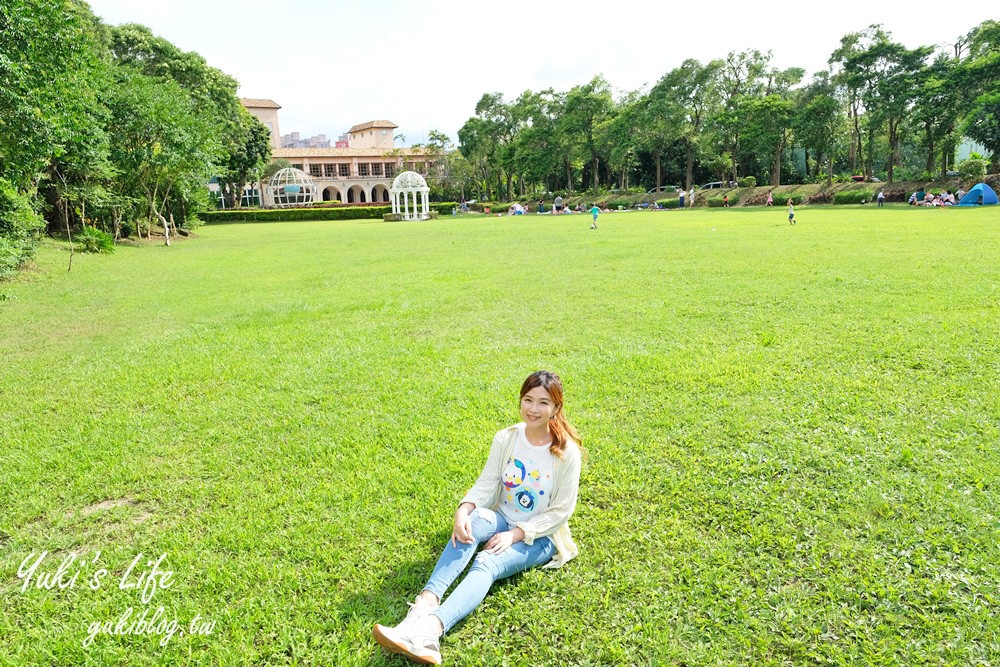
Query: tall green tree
pixel 979 74
pixel 741 76
pixel 852 79
pixel 618 138
pixel 889 71
pixel 767 128
pixel 47 51
pixel 587 106
pixel 536 145
pixel 820 122
pixel 159 142
pixel 248 153
pixel 935 113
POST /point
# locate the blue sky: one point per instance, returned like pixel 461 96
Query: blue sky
pixel 424 65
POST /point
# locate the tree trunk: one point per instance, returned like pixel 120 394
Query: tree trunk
pixel 659 172
pixel 829 170
pixel 929 166
pixel 869 163
pixel 689 177
pixel 856 150
pixel 776 164
pixel 166 226
pixel 597 165
pixel 893 141
pixel 69 235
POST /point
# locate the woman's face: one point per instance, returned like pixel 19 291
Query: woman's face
pixel 537 407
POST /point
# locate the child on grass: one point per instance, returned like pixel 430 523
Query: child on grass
pixel 595 211
pixel 791 212
pixel 520 507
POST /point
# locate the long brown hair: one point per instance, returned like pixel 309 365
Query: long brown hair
pixel 560 428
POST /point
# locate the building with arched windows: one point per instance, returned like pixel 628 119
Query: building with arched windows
pixel 358 169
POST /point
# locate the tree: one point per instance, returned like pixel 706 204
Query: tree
pixel 740 75
pixel 250 151
pixel 683 100
pixel 983 124
pixel 47 49
pixel 586 106
pixel 852 80
pixel 767 126
pixel 486 141
pixel 617 136
pixel 159 142
pixel 979 74
pixel 888 71
pixel 936 109
pixel 819 124
pixel 536 154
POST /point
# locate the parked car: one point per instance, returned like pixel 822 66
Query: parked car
pixel 664 188
pixel 718 184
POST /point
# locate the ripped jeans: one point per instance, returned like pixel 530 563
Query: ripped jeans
pixel 486 569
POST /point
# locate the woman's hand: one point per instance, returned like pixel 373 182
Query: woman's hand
pixel 462 531
pixel 500 542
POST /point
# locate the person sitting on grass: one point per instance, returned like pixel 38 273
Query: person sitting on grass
pixel 520 507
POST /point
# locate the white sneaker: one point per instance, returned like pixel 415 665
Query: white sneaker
pixel 421 648
pixel 418 609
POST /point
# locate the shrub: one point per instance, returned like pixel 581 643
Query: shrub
pixel 20 226
pixel 853 197
pixel 717 202
pixel 669 203
pixel 94 240
pixel 974 167
pixel 312 213
pixel 748 182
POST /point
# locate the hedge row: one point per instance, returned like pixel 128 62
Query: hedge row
pixel 853 197
pixel 309 213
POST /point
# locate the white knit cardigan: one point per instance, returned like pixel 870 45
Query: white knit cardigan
pixel 554 521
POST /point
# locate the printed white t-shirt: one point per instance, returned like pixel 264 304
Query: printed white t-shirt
pixel 527 480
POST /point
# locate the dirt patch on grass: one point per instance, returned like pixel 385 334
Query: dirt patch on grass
pixel 142 518
pixel 102 506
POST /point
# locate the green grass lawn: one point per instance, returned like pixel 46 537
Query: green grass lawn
pixel 792 432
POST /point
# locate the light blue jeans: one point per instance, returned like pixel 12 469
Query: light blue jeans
pixel 486 569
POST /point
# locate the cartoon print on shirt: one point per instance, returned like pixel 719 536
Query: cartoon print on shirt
pixel 514 477
pixel 523 487
pixel 526 499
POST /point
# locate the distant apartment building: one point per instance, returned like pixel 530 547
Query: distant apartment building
pixel 358 168
pixel 293 140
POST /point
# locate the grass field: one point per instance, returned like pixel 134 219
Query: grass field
pixel 792 433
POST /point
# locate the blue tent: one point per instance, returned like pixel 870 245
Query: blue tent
pixel 979 190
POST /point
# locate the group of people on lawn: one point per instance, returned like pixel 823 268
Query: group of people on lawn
pixel 946 198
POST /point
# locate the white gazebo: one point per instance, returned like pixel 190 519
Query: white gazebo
pixel 409 185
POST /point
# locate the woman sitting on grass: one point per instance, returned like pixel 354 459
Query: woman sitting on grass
pixel 520 506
